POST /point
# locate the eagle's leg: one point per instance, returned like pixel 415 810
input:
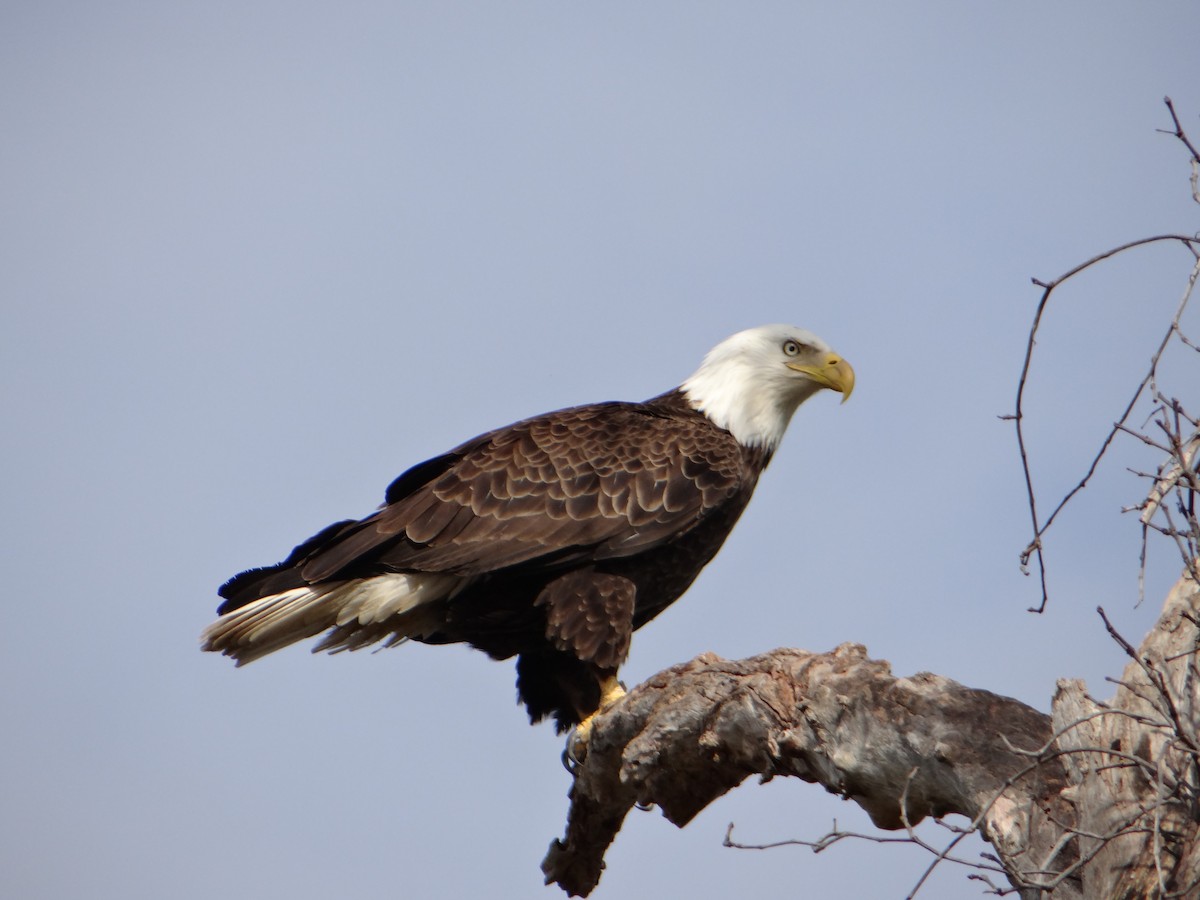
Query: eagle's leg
pixel 611 690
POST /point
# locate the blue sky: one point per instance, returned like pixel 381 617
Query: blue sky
pixel 258 258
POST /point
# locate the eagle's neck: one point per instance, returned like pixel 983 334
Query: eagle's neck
pixel 676 403
pixel 748 407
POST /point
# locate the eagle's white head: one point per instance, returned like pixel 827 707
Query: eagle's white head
pixel 752 382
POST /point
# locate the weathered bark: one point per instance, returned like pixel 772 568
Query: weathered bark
pixel 1132 763
pixel 1080 806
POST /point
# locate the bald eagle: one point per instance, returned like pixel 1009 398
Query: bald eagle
pixel 552 539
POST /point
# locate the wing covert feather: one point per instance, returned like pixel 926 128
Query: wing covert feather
pixel 602 481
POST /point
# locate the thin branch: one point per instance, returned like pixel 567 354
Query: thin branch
pixel 1036 545
pixel 1039 529
pixel 1179 132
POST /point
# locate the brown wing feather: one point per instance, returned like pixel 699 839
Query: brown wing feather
pixel 596 482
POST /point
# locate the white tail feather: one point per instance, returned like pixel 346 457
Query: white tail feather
pixel 273 622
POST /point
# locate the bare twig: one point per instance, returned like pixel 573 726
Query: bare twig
pixel 1178 132
pixel 1035 547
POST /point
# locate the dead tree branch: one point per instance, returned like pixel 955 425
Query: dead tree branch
pixel 1098 800
pixel 902 748
pixel 1133 775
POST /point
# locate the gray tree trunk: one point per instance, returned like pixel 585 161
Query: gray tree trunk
pixel 1094 801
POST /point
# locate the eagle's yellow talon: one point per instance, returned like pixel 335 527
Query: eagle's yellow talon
pixel 575 752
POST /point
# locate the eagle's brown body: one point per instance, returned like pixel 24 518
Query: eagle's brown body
pixel 568 531
pixel 552 539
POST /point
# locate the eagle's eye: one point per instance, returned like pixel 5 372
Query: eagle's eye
pixel 791 348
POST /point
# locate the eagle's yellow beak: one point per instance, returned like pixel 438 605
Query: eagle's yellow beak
pixel 832 372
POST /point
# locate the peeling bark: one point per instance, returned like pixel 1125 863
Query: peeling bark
pixel 1132 763
pixel 1068 815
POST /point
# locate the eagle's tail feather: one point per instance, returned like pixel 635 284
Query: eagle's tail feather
pixel 356 613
